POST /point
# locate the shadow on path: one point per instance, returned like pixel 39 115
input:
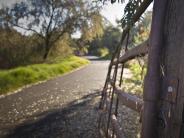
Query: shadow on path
pixel 77 120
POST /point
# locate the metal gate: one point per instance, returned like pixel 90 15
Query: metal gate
pixel 148 107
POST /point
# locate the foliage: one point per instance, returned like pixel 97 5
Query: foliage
pixel 15 78
pixel 134 84
pixel 139 33
pixel 92 29
pixel 63 47
pixel 49 19
pixel 108 41
pixel 129 11
pixel 141 30
pixel 16 49
pixel 102 52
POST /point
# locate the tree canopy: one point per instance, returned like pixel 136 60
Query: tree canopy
pixel 49 19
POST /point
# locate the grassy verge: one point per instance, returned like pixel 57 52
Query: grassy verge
pixel 135 83
pixel 13 79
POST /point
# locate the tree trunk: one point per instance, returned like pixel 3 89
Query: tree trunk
pixel 152 79
pixel 47 49
pixel 46 54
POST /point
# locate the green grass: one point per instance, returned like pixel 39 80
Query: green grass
pixel 135 83
pixel 13 79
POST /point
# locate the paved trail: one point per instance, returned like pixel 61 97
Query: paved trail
pixel 65 107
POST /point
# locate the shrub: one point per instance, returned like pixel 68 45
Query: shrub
pixel 102 52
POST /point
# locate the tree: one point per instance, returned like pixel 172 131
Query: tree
pixel 108 40
pixel 49 19
pixel 92 29
pixel 15 48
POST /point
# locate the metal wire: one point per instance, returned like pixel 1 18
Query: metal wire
pixel 121 80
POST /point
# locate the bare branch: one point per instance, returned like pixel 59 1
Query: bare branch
pixel 28 29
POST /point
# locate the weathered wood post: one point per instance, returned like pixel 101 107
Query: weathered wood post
pixel 172 62
pixel 163 115
pixel 152 90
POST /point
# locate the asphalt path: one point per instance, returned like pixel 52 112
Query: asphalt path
pixel 64 107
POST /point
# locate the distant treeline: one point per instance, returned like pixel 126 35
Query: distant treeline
pixel 18 50
pixel 36 31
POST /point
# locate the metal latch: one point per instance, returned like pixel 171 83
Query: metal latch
pixel 170 89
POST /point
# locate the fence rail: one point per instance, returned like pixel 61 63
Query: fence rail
pixel 138 51
pixel 129 100
pixel 110 87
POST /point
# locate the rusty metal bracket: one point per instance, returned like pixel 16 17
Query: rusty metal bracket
pixel 170 89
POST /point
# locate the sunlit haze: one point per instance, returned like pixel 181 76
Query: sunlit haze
pixel 113 12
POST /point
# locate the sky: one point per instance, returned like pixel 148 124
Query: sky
pixel 110 11
pixel 8 2
pixel 113 12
